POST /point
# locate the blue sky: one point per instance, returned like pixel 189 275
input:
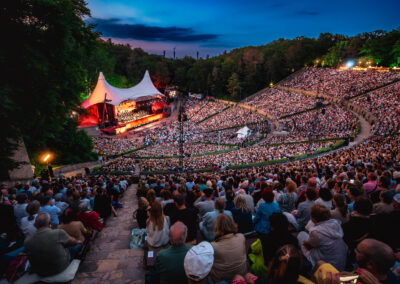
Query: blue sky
pixel 212 26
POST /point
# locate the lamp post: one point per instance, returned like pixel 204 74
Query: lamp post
pixel 46 160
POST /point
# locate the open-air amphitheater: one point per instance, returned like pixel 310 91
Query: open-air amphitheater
pixel 313 111
pixel 324 137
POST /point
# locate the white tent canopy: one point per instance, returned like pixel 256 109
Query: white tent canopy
pixel 143 91
pixel 243 132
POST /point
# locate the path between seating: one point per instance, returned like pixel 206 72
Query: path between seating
pixel 110 260
pixel 365 130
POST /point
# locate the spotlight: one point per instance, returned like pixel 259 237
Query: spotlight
pixel 350 64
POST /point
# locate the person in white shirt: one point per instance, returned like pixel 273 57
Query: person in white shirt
pixel 27 223
pixel 157 228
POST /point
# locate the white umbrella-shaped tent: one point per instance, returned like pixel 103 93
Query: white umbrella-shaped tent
pixel 145 90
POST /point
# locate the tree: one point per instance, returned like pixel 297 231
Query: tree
pixel 234 88
pixel 43 75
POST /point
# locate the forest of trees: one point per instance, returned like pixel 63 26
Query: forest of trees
pixel 243 71
pixel 51 59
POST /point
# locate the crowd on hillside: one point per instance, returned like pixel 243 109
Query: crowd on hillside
pixel 342 84
pixel 385 105
pixel 304 220
pixel 197 110
pixel 329 122
pixel 279 103
pixel 233 116
pixel 53 222
pixel 114 145
pixel 253 154
pixel 169 149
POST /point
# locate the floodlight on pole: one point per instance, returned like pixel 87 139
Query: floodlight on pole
pixel 350 64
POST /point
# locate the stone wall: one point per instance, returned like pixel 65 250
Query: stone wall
pixel 24 171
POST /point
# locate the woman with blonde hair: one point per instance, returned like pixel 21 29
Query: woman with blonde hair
pixel 242 215
pixel 157 226
pixel 229 250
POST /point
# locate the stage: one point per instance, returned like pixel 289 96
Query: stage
pixel 122 128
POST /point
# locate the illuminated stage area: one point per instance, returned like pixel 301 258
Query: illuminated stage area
pixel 122 128
pixel 115 110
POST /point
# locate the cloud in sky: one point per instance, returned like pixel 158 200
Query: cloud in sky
pixel 116 28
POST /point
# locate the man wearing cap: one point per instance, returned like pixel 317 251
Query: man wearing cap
pixel 198 263
pixel 169 262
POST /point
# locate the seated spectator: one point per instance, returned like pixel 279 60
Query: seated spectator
pixel 383 225
pixel 353 191
pixel 102 204
pixel 325 240
pixel 169 262
pixel 264 211
pixel 72 226
pixel 385 203
pixel 360 225
pixel 341 211
pixel 206 205
pixel 166 197
pixel 242 215
pixel 157 228
pixel 60 203
pixel 375 259
pixel 285 267
pixel 278 237
pixel 229 196
pixel 8 222
pixel 90 219
pixel 27 223
pixel 228 261
pixel 311 184
pixel 287 200
pixel 141 212
pixel 249 200
pixel 76 200
pixel 54 211
pixel 20 208
pixel 302 213
pixel 198 263
pixel 151 196
pixel 207 224
pixel 371 185
pixel 325 198
pixel 187 216
pixel 47 249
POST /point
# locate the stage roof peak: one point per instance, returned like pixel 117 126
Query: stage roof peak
pixel 145 90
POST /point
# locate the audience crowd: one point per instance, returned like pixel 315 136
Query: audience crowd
pixel 279 103
pixel 342 84
pixel 248 155
pixel 233 116
pixel 385 105
pixel 307 221
pixel 168 149
pixel 52 222
pixel 197 110
pixel 304 221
